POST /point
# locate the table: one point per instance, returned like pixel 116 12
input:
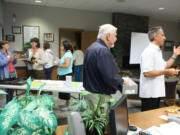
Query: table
pixel 143 120
pixel 150 118
pixel 51 85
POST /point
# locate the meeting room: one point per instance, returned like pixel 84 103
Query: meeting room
pixel 89 67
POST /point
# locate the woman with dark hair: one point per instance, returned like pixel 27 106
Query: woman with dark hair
pixel 36 58
pixel 7 69
pixel 49 60
pixel 65 67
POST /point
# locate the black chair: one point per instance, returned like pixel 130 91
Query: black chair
pixel 178 92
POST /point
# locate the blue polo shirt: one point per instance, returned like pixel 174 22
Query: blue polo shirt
pixel 64 71
pixel 100 73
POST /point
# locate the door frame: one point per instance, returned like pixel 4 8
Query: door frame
pixel 67 30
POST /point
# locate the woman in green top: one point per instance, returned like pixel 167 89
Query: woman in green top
pixel 65 67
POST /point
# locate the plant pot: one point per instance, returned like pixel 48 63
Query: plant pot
pixel 91 132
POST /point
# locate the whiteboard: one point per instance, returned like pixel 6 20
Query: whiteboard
pixel 139 41
pixel 30 32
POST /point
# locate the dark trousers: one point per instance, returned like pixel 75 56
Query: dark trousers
pixel 48 72
pixel 78 73
pixel 10 92
pixel 36 74
pixel 9 96
pixel 65 96
pixel 149 103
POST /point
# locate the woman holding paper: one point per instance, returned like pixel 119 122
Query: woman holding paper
pixel 36 57
pixel 65 67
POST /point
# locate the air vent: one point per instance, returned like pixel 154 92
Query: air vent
pixel 121 0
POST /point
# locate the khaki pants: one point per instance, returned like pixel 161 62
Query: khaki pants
pixel 93 98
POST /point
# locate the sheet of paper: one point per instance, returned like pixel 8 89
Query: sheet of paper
pixel 36 84
pixel 171 128
pixel 74 84
pixel 164 117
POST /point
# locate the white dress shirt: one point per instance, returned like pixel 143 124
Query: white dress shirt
pixel 78 57
pixel 151 59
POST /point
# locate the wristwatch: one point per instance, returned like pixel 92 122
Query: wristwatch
pixel 173 57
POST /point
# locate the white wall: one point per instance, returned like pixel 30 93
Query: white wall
pixel 1 13
pixel 171 30
pixel 50 19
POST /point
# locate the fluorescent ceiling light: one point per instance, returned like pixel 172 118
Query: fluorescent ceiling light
pixel 38 1
pixel 161 8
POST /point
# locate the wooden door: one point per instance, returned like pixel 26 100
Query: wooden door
pixel 87 38
pixel 61 31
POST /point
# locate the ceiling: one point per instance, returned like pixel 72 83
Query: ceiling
pixel 138 7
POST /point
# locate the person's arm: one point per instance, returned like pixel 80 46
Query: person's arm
pixel 155 73
pixel 40 60
pixel 67 63
pixel 147 66
pixel 14 61
pixel 176 53
pixel 14 58
pixel 108 71
pixel 4 60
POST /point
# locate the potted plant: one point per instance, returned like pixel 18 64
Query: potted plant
pixel 29 116
pixel 94 116
pixel 95 119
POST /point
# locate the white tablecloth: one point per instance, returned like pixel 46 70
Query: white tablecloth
pixel 51 85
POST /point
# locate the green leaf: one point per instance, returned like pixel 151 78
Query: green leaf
pixel 66 133
pixel 9 116
pixel 46 117
pixel 99 101
pixel 79 105
pixel 105 105
pixel 23 102
pixel 47 101
pixel 99 130
pixel 39 132
pixel 113 101
pixel 40 88
pixel 21 131
pixel 29 82
pixel 31 106
pixel 3 92
pixel 83 93
pixel 29 121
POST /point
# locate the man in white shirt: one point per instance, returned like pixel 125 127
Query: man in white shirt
pixel 153 69
pixel 78 57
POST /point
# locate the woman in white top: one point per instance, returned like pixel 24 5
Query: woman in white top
pixel 49 61
pixel 78 57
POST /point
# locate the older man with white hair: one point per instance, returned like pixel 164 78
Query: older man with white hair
pixel 100 73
